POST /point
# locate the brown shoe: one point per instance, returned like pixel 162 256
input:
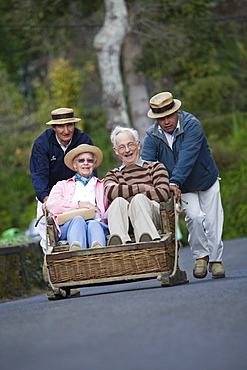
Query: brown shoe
pixel 217 270
pixel 200 270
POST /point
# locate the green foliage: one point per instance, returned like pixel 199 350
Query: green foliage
pixel 65 84
pixel 219 106
pixel 219 103
pixel 183 229
pixel 88 7
pixel 14 154
pixel 215 95
pixel 62 87
pixel 95 126
pixel 234 199
pixel 18 196
pixel 10 100
pixel 185 41
pixel 185 50
pixel 14 240
pixel 203 63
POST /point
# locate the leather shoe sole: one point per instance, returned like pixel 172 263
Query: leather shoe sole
pixel 145 237
pixel 115 240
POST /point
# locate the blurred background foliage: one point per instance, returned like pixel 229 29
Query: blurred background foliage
pixel 194 48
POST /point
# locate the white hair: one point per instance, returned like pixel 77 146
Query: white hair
pixel 119 129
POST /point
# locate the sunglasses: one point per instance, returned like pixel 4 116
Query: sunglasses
pixel 82 160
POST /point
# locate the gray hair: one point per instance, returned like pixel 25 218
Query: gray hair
pixel 119 129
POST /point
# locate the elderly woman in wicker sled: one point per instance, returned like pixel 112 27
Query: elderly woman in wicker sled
pixel 78 204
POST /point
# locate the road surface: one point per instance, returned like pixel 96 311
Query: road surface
pixel 135 326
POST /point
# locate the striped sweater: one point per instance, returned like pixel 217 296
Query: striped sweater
pixel 131 180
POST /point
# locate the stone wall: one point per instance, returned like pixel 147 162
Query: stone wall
pixel 20 270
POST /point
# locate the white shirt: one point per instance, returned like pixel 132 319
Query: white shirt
pixel 62 146
pixel 86 193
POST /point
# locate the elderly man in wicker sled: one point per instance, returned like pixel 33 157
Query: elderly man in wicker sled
pixel 134 191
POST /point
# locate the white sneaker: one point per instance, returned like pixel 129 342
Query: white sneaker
pixel 96 244
pixel 75 246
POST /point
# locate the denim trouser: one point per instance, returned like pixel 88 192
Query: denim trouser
pixel 84 232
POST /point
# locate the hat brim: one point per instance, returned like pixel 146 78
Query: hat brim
pixel 63 121
pixel 177 105
pixel 83 148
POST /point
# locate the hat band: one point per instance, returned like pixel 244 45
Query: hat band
pixel 62 116
pixel 163 109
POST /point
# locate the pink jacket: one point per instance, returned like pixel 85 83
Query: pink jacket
pixel 60 198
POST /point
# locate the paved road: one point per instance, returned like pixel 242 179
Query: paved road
pixel 136 326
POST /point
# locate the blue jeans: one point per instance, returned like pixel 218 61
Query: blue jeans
pixel 84 232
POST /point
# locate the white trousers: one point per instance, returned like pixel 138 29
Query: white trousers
pixel 41 227
pixel 143 213
pixel 204 220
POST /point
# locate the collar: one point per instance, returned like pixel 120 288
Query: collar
pixel 139 163
pixel 84 180
pixel 61 145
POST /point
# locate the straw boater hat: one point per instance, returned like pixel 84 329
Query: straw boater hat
pixel 83 148
pixel 61 116
pixel 162 105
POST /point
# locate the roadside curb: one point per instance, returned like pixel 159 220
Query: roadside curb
pixel 20 269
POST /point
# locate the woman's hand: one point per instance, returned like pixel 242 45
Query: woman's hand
pixel 84 204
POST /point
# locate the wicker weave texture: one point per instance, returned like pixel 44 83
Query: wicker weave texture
pixel 168 216
pixel 124 263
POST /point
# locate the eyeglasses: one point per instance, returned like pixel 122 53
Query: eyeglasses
pixel 88 160
pixel 130 145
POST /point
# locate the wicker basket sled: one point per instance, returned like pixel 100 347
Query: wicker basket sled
pixel 115 264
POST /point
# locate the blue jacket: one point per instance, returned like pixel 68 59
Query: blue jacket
pixel 189 163
pixel 46 163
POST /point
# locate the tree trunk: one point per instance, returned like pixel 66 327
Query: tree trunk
pixel 137 92
pixel 108 43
